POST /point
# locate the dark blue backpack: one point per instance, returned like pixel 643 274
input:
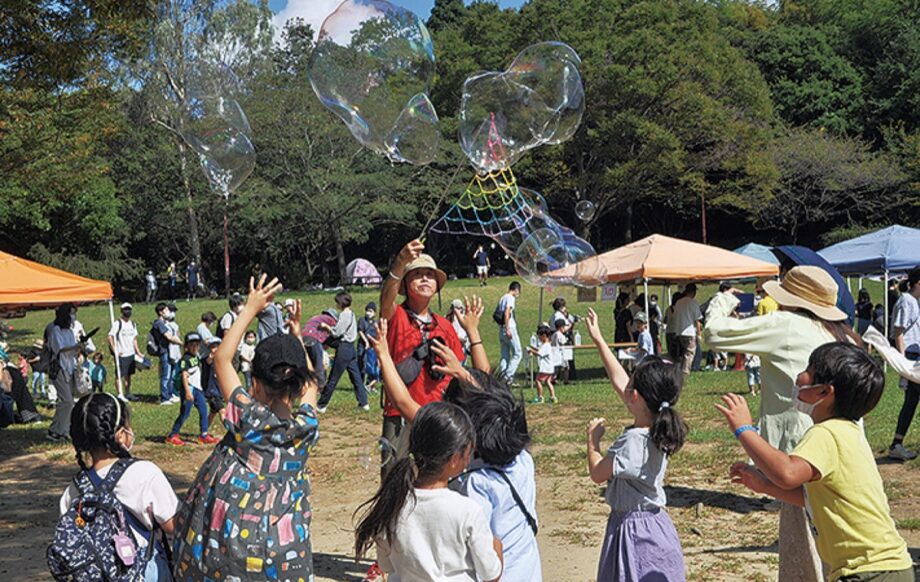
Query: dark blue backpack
pixel 84 545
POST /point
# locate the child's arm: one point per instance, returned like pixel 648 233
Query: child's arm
pixel 393 385
pixel 619 379
pixel 787 472
pixel 452 366
pixel 753 479
pixel 295 328
pixel 469 321
pixel 260 295
pixel 185 386
pixel 393 280
pixel 600 466
pixel 500 552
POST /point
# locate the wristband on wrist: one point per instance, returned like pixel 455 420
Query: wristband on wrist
pixel 395 277
pixel 479 343
pixel 743 429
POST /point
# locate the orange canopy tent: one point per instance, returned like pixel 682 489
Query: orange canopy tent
pixel 659 258
pixel 24 283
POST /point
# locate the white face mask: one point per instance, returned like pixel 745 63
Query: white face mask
pixel 801 405
pixel 171 315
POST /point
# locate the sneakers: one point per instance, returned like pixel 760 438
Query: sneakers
pixel 206 440
pixel 899 453
pixel 537 400
pixel 175 440
pixel 321 409
pixel 57 438
pixel 553 400
pixel 374 574
pixel 174 399
pixel 365 408
pixel 130 397
pixel 165 402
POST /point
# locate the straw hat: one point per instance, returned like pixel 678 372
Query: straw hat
pixel 809 288
pixel 424 262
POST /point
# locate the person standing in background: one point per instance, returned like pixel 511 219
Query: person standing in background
pixel 151 281
pixel 905 325
pixel 511 352
pixel 123 346
pixel 191 276
pixel 171 275
pixel 481 257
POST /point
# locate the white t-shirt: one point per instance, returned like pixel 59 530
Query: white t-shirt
pixel 907 316
pixel 508 300
pixel 175 350
pixel 545 359
pixel 442 537
pixel 247 353
pixel 143 485
pixel 686 314
pixel 558 342
pixel 124 333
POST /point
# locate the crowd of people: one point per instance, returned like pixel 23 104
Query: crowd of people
pixel 458 500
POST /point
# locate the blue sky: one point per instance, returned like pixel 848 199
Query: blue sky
pixel 300 7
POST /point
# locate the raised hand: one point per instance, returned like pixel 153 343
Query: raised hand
pixel 406 255
pixel 262 294
pixel 452 366
pixel 594 328
pixel 472 315
pixel 749 476
pixel 596 429
pixel 735 410
pixel 294 323
pixel 380 342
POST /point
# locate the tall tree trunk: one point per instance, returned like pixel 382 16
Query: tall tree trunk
pixel 193 238
pixel 628 226
pixel 339 252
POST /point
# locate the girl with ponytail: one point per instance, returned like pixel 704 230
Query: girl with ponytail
pixel 641 542
pixel 100 428
pixel 423 530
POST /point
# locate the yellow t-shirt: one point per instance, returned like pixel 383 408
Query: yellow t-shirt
pixel 847 506
pixel 767 305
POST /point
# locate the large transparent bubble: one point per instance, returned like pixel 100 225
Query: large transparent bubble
pixel 372 66
pixel 215 126
pixel 538 100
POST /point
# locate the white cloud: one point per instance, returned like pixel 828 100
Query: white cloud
pixel 313 12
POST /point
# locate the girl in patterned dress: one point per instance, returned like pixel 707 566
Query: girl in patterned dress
pixel 247 516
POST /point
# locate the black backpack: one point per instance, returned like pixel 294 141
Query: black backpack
pixel 220 331
pixel 499 314
pixel 47 362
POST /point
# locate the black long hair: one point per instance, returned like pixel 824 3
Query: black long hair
pixel 659 384
pixel 440 431
pixel 62 317
pixel 498 417
pixel 93 423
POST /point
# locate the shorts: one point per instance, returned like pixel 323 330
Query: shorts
pixel 127 365
pixel 215 402
pixel 545 377
pixel 482 270
pixel 753 376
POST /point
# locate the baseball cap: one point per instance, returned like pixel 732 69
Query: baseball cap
pixel 457 304
pixel 289 302
pixel 192 337
pixel 641 317
pixel 127 305
pixel 277 351
pixel 370 305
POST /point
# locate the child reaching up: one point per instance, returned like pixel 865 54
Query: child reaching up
pixel 832 471
pixel 423 530
pixel 247 515
pixel 101 428
pixel 192 394
pixel 546 364
pixel 641 542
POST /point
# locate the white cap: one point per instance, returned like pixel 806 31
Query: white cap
pixel 126 305
pixel 289 302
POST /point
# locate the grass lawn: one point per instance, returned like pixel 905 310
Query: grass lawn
pixel 725 532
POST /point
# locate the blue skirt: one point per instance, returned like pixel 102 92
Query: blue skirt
pixel 641 546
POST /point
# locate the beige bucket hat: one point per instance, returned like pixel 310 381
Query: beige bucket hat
pixel 424 262
pixel 810 288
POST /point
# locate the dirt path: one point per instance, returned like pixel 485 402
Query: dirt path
pixel 725 535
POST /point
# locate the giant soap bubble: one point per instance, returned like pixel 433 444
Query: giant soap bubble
pixel 215 126
pixel 538 100
pixel 372 66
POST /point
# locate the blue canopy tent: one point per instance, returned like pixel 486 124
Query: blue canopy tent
pixel 892 249
pixel 790 256
pixel 759 252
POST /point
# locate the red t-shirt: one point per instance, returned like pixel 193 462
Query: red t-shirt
pixel 403 336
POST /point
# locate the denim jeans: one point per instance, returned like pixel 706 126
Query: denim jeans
pixel 166 378
pixel 39 384
pixel 199 402
pixel 346 360
pixel 511 353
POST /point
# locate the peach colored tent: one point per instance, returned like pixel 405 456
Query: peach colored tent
pixel 25 283
pixel 659 258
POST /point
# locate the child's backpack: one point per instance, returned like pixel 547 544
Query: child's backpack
pixel 93 540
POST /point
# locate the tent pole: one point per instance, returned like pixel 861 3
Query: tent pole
pixel 849 286
pixel 885 292
pixel 540 315
pixel 118 383
pixel 645 307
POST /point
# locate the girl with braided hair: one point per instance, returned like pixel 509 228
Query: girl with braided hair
pixel 100 428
